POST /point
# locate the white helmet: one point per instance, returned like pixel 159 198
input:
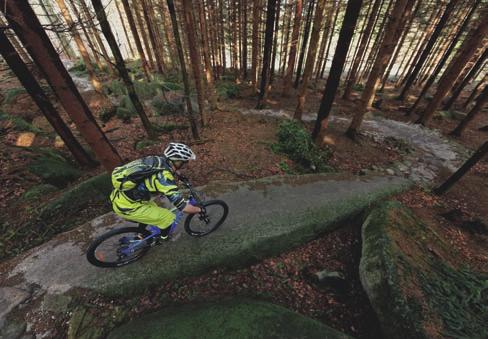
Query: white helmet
pixel 176 151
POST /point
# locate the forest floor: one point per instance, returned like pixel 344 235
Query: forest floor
pixel 236 147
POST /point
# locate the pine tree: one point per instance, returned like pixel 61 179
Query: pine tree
pixel 293 49
pixel 20 69
pixel 27 27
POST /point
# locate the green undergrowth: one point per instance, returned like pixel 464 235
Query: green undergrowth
pixel 296 143
pixel 228 90
pixel 79 68
pixel 162 107
pixel 12 93
pixel 18 123
pixel 52 166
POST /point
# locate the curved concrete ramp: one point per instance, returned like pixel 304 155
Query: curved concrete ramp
pixel 239 318
pixel 267 216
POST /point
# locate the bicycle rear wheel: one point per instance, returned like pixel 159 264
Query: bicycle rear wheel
pixel 197 225
pixel 108 249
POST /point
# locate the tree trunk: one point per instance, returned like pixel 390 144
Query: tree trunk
pixel 312 52
pixel 142 31
pixel 194 56
pixel 255 45
pixel 329 43
pixel 222 36
pixel 20 69
pixel 446 55
pixel 89 38
pixel 308 24
pixel 400 45
pixel 137 40
pixel 362 49
pixel 63 39
pixel 119 62
pixel 293 49
pixel 284 46
pixel 152 36
pixel 391 36
pixel 475 91
pixel 457 90
pixel 480 101
pixel 333 80
pixel 169 37
pixel 275 42
pixel 475 158
pixel 184 74
pixel 119 12
pixel 81 46
pixel 95 33
pixel 27 27
pixel 212 95
pixel 378 38
pixel 466 52
pixel 268 44
pixel 323 42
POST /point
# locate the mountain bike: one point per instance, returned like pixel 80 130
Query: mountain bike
pixel 123 246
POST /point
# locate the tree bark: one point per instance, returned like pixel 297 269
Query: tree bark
pixel 268 45
pixel 81 46
pixel 312 52
pixel 362 49
pixel 284 46
pixel 119 62
pixel 433 38
pixel 475 158
pixel 255 45
pixel 143 32
pixel 329 43
pixel 152 36
pixel 20 69
pixel 184 74
pixel 480 101
pixel 442 62
pixel 137 40
pixel 306 34
pixel 27 27
pixel 323 42
pixel 194 56
pixel 458 89
pixel 119 12
pixel 466 52
pixel 212 95
pixel 350 19
pixel 391 36
pixel 475 91
pixel 50 14
pixel 293 49
pixel 275 42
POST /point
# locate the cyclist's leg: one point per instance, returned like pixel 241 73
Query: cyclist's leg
pixel 151 214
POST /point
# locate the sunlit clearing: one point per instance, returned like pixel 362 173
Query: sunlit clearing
pixel 25 139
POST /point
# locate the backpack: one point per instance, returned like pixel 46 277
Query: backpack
pixel 128 176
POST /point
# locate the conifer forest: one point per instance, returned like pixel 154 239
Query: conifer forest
pixel 346 140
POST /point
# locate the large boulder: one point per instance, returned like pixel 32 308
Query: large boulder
pixel 416 283
pixel 239 318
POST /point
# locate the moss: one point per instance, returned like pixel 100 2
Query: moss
pixel 53 168
pixel 96 189
pixel 38 191
pixel 415 293
pixel 240 318
pixel 12 93
pixel 18 123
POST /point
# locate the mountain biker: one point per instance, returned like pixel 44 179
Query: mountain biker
pixel 135 204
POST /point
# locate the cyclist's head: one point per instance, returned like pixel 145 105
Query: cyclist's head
pixel 178 154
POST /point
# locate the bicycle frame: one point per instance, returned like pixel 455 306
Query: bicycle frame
pixel 194 200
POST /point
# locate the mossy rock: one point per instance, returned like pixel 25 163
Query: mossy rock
pixel 93 190
pixel 54 169
pixel 412 279
pixel 38 191
pixel 240 318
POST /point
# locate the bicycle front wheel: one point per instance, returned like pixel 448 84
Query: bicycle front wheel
pixel 112 248
pixel 198 225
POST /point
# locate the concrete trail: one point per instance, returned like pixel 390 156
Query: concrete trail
pixel 267 216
